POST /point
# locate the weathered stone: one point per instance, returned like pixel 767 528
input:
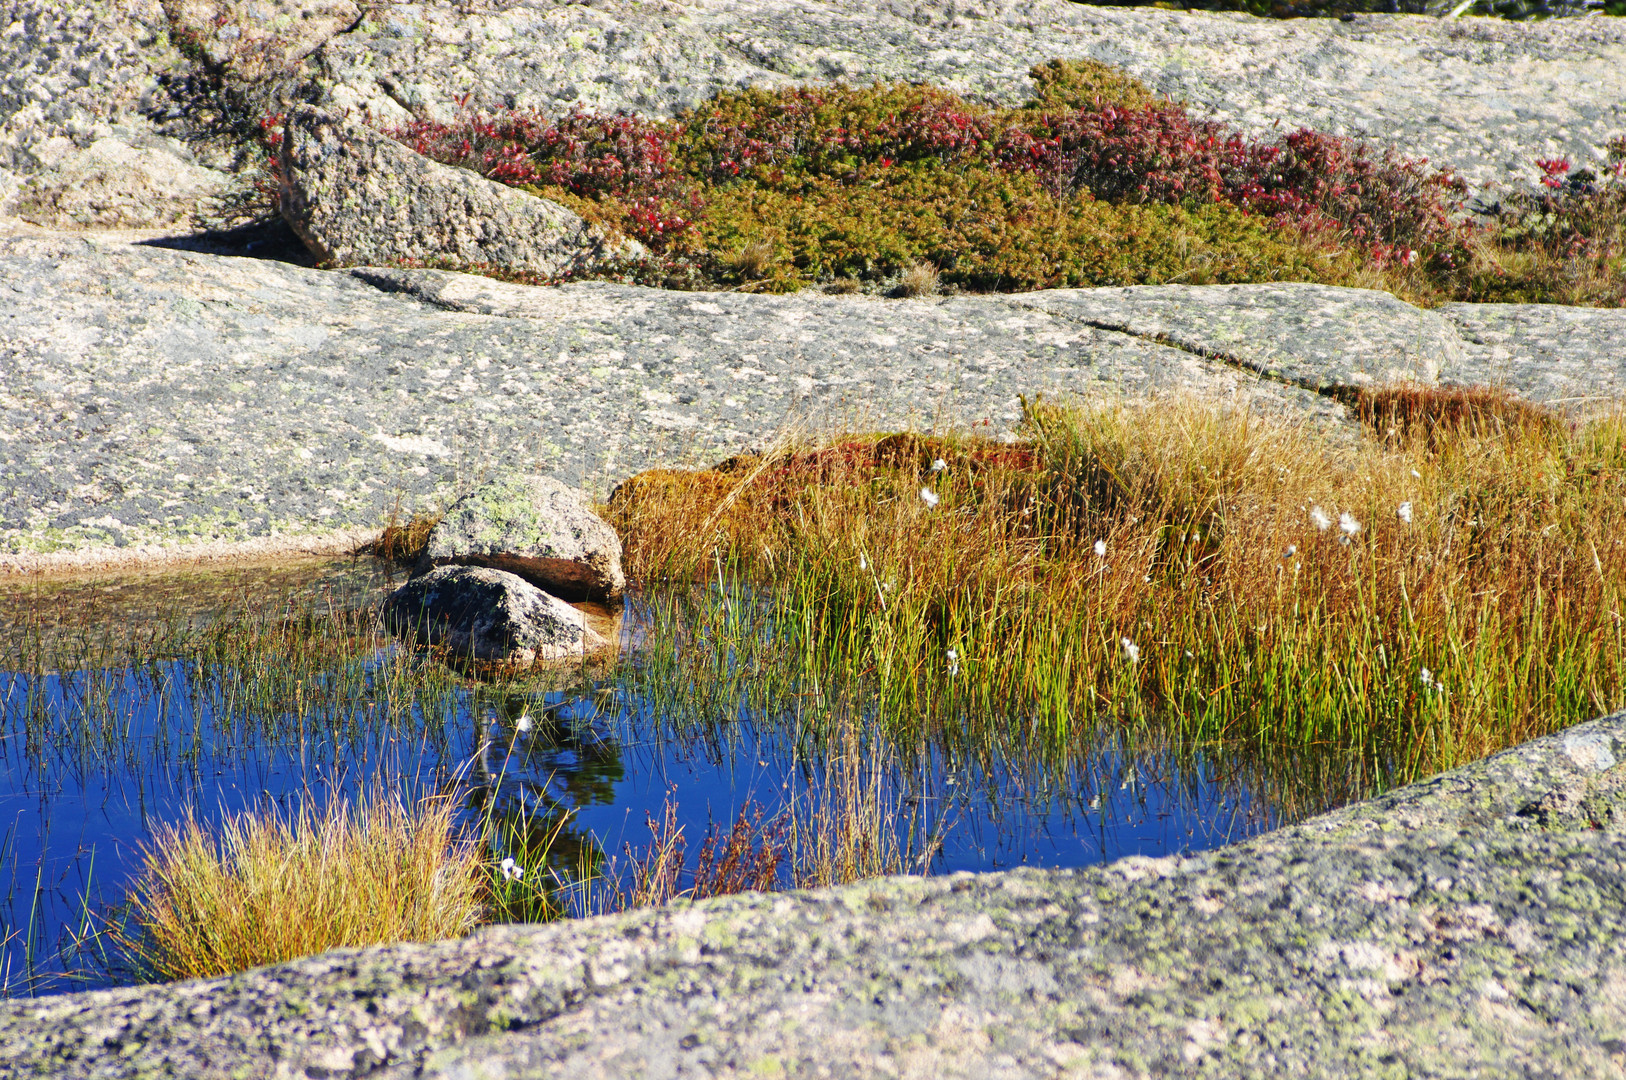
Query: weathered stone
pixel 1433 932
pixel 159 397
pixel 1315 336
pixel 252 40
pixel 113 185
pixel 357 197
pixel 1543 352
pixel 483 614
pixel 537 528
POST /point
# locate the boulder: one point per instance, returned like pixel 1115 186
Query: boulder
pixel 537 528
pixel 489 615
pixel 357 197
pixel 113 185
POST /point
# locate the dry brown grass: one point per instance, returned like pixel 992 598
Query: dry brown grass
pixel 920 279
pixel 405 541
pixel 1278 590
pixel 274 886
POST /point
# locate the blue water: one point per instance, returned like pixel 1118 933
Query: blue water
pixel 78 801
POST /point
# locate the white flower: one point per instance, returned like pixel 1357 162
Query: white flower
pixel 1319 517
pixel 863 563
pixel 1404 510
pixel 1101 548
pixel 523 723
pixel 1425 677
pixel 1292 550
pixel 939 465
pixel 1132 651
pixel 953 661
pixel 928 496
pixel 1347 524
pixel 511 871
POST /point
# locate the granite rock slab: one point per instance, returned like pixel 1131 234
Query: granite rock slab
pixel 1441 930
pixel 356 197
pixel 157 397
pixel 153 396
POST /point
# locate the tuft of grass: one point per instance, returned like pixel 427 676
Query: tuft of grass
pixel 751 260
pixel 404 542
pixel 920 279
pixel 274 886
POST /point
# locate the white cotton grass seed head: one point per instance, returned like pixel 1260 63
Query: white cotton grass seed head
pixel 523 723
pixel 929 497
pixel 1425 677
pixel 1132 651
pixel 1416 475
pixel 1403 511
pixel 863 562
pixel 1101 548
pixel 1319 518
pixel 1347 524
pixel 939 465
pixel 1292 550
pixel 953 659
pixel 511 871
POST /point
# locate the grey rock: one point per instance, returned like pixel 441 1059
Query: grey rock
pixel 160 397
pixel 1436 931
pixel 357 197
pixel 1534 350
pixel 1315 336
pixel 77 70
pixel 259 39
pixel 537 528
pixel 113 185
pixel 491 615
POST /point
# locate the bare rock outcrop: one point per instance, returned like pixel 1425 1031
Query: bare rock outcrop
pixel 357 197
pixel 482 614
pixel 537 528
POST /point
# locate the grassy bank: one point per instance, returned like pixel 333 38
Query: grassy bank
pixel 1095 181
pixel 1341 620
pixel 1303 621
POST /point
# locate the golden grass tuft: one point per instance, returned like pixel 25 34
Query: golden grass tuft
pixel 404 542
pixel 274 886
pixel 920 279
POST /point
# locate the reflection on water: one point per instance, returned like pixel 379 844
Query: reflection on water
pixel 94 758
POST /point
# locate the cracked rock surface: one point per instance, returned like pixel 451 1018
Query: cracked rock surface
pixel 153 397
pixel 1453 928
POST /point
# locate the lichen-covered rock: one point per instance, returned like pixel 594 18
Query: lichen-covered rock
pixel 1433 932
pixel 481 614
pixel 535 527
pixel 257 39
pixel 113 185
pixel 154 398
pixel 357 197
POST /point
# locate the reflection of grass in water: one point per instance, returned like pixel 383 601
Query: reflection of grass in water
pixel 1332 621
